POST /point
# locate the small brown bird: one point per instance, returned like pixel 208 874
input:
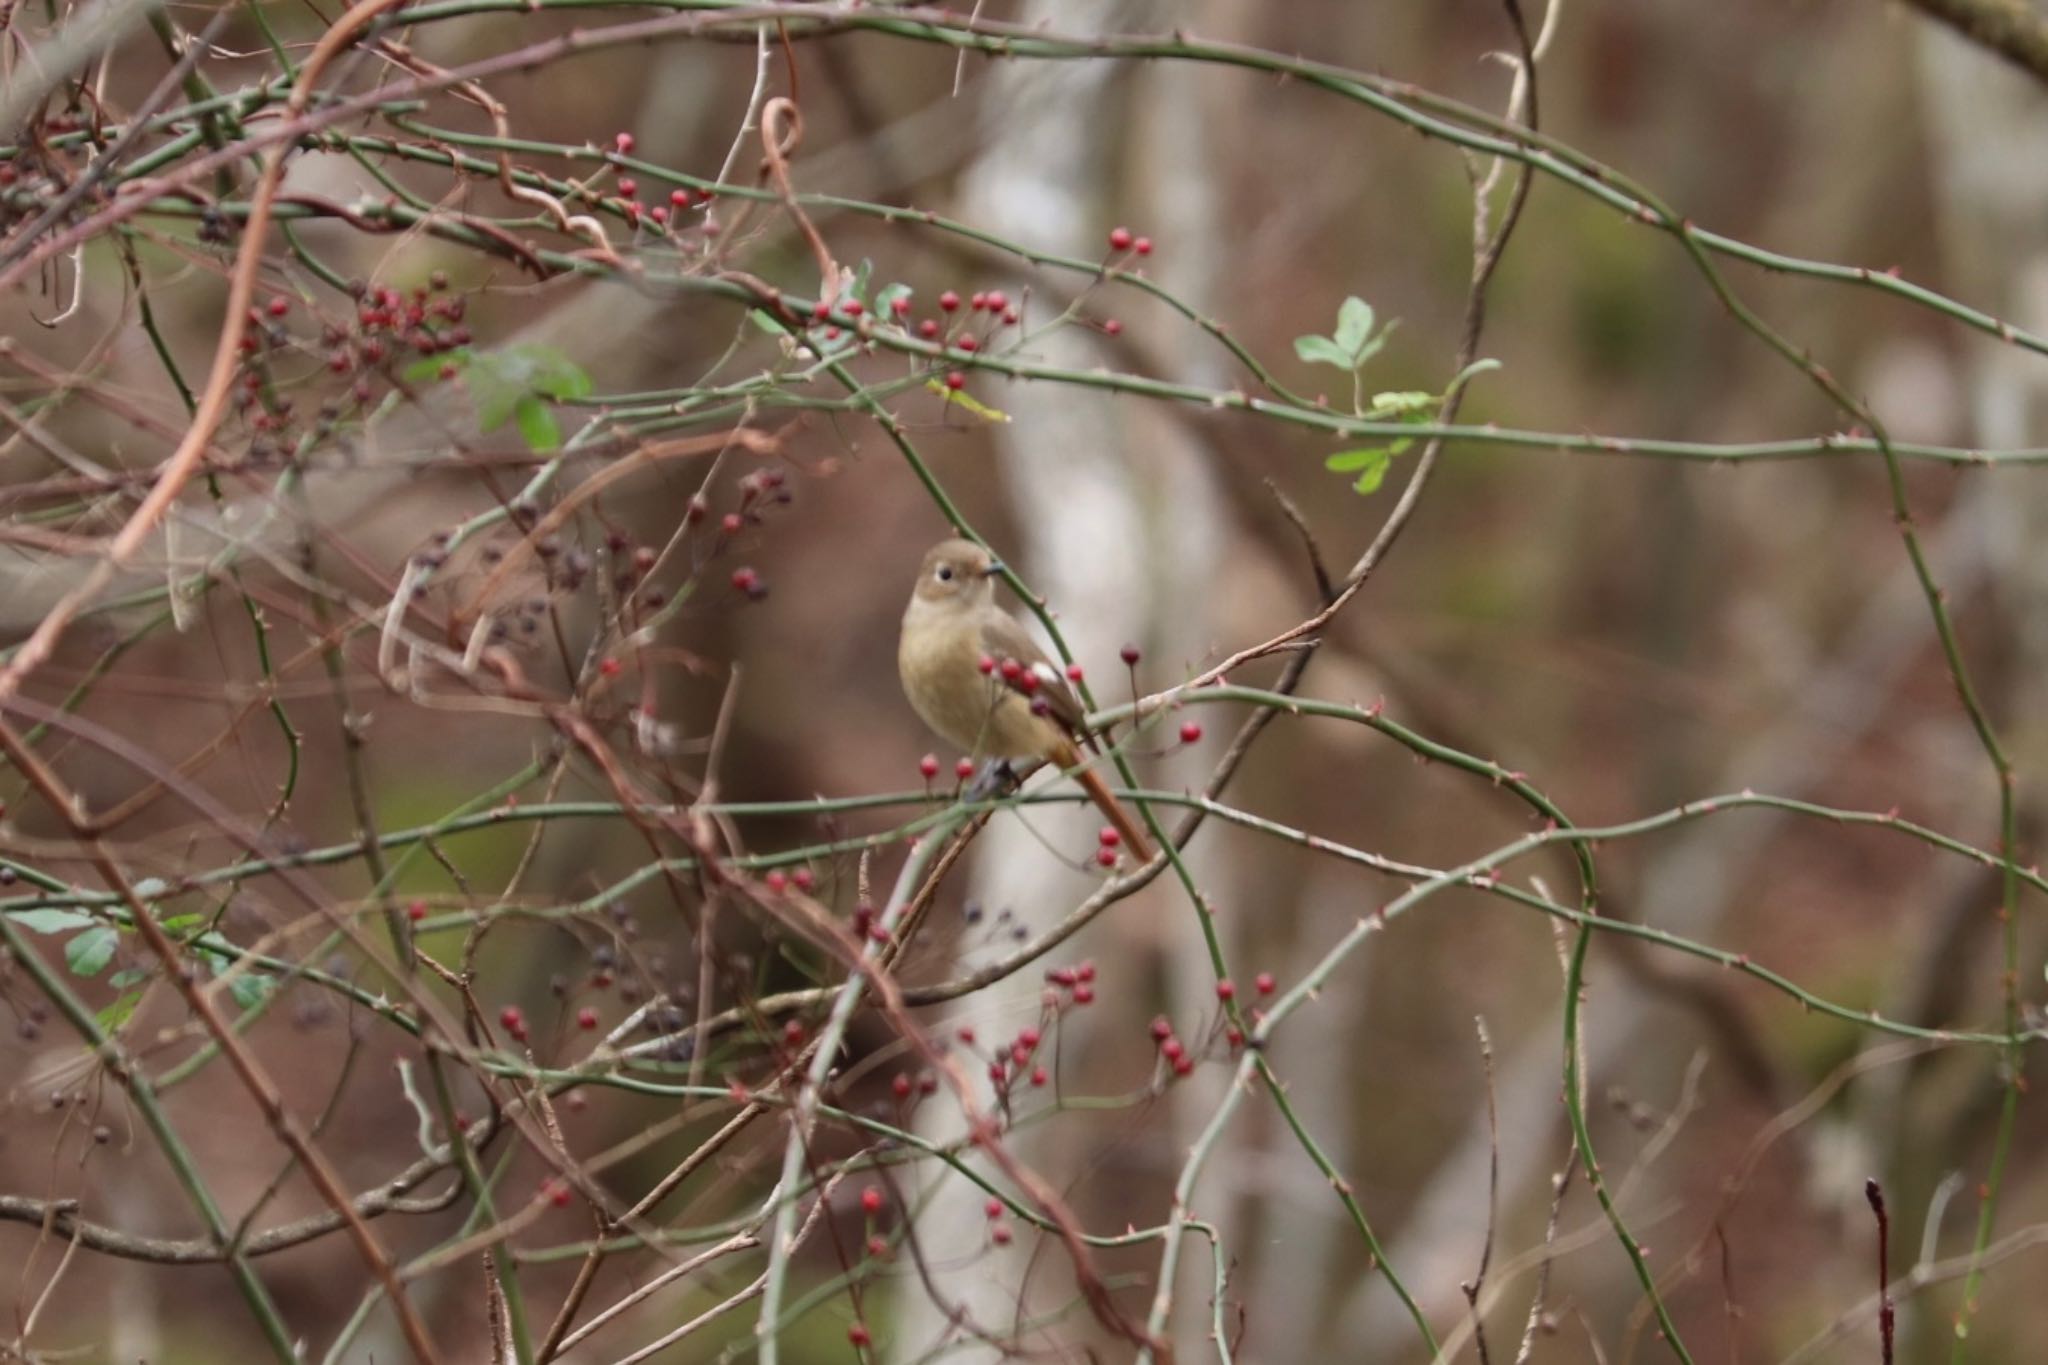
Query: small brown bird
pixel 978 679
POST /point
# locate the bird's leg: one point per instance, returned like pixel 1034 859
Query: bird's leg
pixel 996 778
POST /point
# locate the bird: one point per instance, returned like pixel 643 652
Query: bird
pixel 977 678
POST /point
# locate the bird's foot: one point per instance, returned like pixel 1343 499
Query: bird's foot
pixel 996 778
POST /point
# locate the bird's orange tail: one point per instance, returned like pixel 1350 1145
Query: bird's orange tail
pixel 1112 809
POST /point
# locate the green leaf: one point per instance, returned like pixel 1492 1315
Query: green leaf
pixel 1370 479
pixel 49 921
pixel 536 424
pixel 1408 403
pixel 766 323
pixel 1477 367
pixel 250 989
pixel 1345 461
pixel 1354 325
pixel 91 951
pixel 508 384
pixel 1370 465
pixel 126 977
pixel 117 1011
pixel 1371 348
pixel 885 302
pixel 1322 351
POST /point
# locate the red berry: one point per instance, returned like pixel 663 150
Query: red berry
pixel 1143 246
pixel 964 769
pixel 1131 656
pixel 900 305
pixel 997 301
pixel 1120 239
pixel 624 142
pixel 1085 972
pixel 1108 837
pixel 987 665
pixel 1030 1037
pixel 955 380
pixel 1183 1066
pixel 745 579
pixel 730 523
pixel 929 766
pixel 978 302
pixel 1161 1030
pixel 1012 670
pixel 586 1018
pixel 1172 1050
pixel 878 1246
pixel 628 186
pixel 793 1033
pixel 279 306
pixel 900 1086
pixel 1010 317
pixel 1084 995
pixel 968 344
pixel 1190 731
pixel 993 1208
pixel 1113 328
pixel 857 1333
pixel 1039 1076
pixel 871 1200
pixel 659 213
pixel 610 667
pixel 512 1018
pixel 1264 983
pixel 416 911
pixel 558 1194
pixel 777 881
pixel 1225 990
pixel 928 329
pixel 949 301
pixel 1234 1036
pixel 966 1036
pixel 803 879
pixel 1105 857
pixel 679 198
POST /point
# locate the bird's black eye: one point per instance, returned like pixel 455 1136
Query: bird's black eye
pixel 945 573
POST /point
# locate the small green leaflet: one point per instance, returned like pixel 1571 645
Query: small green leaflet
pixel 515 383
pixel 251 989
pixel 90 952
pixel 1353 344
pixel 49 921
pixel 1371 463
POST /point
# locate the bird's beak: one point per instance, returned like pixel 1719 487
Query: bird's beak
pixel 995 566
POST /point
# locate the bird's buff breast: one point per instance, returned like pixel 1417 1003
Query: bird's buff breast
pixel 940 662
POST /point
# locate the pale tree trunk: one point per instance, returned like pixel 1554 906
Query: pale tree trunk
pixel 1111 528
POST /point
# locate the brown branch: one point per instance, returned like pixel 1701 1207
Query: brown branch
pixel 185 980
pixel 213 400
pixel 62 1218
pixel 2013 29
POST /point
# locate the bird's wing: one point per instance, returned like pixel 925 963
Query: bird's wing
pixel 1003 638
